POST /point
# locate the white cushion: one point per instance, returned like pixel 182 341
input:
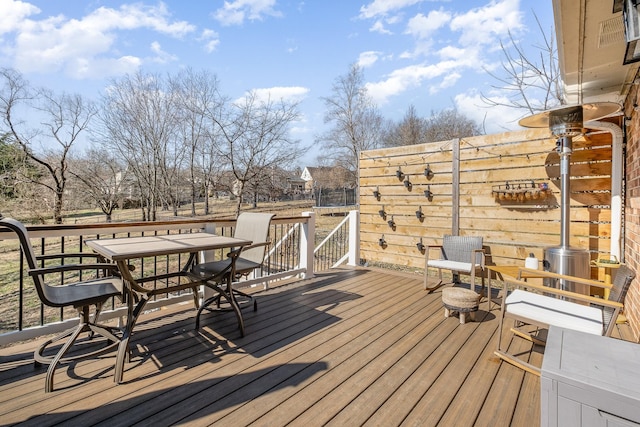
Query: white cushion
pixel 450 265
pixel 554 311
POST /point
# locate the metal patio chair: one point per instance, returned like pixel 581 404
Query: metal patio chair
pixel 239 262
pixel 81 295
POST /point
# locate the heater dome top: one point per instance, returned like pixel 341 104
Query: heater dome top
pixel 570 115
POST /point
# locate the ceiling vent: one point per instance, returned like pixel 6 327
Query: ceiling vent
pixel 611 32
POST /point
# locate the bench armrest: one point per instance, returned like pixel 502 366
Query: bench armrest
pixel 548 274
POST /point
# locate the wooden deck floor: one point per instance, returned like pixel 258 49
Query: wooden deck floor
pixel 347 348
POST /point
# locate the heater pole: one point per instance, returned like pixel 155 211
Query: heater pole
pixel 565 148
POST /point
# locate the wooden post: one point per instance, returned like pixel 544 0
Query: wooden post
pixel 354 238
pixel 307 243
pixel 455 180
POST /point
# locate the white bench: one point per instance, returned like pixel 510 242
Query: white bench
pixel 541 306
pixel 458 254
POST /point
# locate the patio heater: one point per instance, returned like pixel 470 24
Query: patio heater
pixel 565 123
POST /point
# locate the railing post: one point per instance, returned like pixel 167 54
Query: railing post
pixel 307 243
pixel 206 256
pixel 354 238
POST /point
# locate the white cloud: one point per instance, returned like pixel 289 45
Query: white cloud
pixel 13 13
pixel 449 80
pixel 75 45
pixel 468 57
pixel 422 27
pixel 367 59
pixel 96 68
pixel 493 119
pixel 407 78
pixel 130 17
pixel 383 7
pixel 472 36
pixel 378 27
pixel 211 40
pixel 161 57
pixel 281 93
pixel 485 25
pixel 236 12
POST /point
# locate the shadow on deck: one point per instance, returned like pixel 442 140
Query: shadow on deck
pixel 349 347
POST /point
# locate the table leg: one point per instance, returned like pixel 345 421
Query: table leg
pixel 132 316
pixel 489 291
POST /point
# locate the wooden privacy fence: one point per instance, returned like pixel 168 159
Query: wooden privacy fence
pixel 503 187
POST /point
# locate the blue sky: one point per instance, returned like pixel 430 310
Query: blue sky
pixel 428 53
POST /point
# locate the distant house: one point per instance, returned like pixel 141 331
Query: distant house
pixel 330 185
pixel 273 184
pixel 296 185
pixel 327 177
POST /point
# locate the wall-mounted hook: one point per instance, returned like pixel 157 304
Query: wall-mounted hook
pixel 428 172
pixel 407 183
pixel 419 213
pixel 376 193
pixel 428 194
pixel 382 242
pixel 382 213
pixel 420 245
pixel 392 223
pixel 399 174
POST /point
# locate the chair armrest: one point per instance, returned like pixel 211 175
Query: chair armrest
pixel 72 267
pixel 560 292
pixel 256 245
pixel 542 274
pixel 483 257
pixel 429 248
pixel 237 251
pixel 80 255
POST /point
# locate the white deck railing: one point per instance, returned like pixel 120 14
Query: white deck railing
pixel 292 255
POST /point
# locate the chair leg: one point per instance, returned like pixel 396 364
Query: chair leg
pixel 38 356
pixel 48 385
pixel 84 326
pixel 437 285
pixel 204 305
pixel 248 297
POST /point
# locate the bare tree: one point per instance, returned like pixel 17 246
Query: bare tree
pixel 532 83
pixel 449 124
pixel 199 99
pixel 410 130
pixel 138 121
pixel 103 178
pixel 63 119
pixel 440 126
pixel 256 139
pixel 357 125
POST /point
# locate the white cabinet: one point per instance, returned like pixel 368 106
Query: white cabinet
pixel 589 380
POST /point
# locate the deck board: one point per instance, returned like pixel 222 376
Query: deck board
pixel 348 347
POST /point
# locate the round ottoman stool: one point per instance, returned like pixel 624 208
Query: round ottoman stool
pixel 464 301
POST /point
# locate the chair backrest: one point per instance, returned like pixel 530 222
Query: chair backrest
pixel 253 226
pixel 460 248
pixel 618 292
pixel 30 256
